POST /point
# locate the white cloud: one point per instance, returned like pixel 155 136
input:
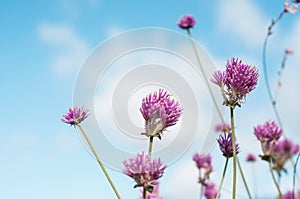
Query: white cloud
pixel 70 48
pixel 242 19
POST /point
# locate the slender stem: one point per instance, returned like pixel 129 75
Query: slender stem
pixel 244 179
pixel 150 145
pixel 234 154
pixel 264 64
pixel 205 78
pixel 144 193
pixel 99 161
pixel 254 181
pixel 276 184
pixel 223 177
pixel 294 176
pixel 201 191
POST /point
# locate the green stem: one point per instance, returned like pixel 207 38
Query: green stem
pixel 243 177
pixel 234 154
pixel 201 191
pixel 276 184
pixel 205 78
pixel 223 177
pixel 99 161
pixel 144 193
pixel 150 145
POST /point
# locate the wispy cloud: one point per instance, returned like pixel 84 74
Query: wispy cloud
pixel 70 48
pixel 242 19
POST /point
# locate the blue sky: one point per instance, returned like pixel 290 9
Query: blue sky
pixel 43 44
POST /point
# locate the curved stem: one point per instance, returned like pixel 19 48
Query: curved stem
pixel 99 161
pixel 223 177
pixel 150 145
pixel 265 73
pixel 275 182
pixel 234 154
pixel 244 179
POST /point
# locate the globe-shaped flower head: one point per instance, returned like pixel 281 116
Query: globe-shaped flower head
pixel 144 171
pixel 186 22
pixel 75 116
pixel 225 144
pixel 159 111
pixel 236 81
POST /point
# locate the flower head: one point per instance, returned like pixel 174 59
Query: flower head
pixel 267 132
pixel 203 162
pixel 75 116
pixel 223 127
pixel 186 22
pixel 283 151
pixel 289 195
pixel 143 170
pixel 291 9
pixel 288 51
pixel 251 157
pixel 236 81
pixel 225 144
pixel 159 112
pixel 210 191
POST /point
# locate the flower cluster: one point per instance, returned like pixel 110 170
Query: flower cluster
pixel 290 195
pixel 186 22
pixel 210 191
pixel 143 170
pixel 225 144
pixel 159 111
pixel 251 157
pixel 203 163
pixel 283 151
pixel 236 81
pixel 75 116
pixel 268 134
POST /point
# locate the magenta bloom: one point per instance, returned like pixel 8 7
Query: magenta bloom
pixel 210 191
pixel 288 51
pixel 143 170
pixel 251 157
pixel 75 116
pixel 236 81
pixel 159 112
pixel 283 151
pixel 267 132
pixel 225 144
pixel 291 9
pixel 186 22
pixel 223 127
pixel 203 162
pixel 289 195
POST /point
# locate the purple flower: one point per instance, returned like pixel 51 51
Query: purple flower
pixel 210 191
pixel 75 116
pixel 203 162
pixel 223 127
pixel 143 170
pixel 291 9
pixel 288 51
pixel 159 112
pixel 236 81
pixel 186 22
pixel 289 195
pixel 251 157
pixel 225 144
pixel 283 151
pixel 267 132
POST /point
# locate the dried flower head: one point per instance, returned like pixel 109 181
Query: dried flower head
pixel 225 144
pixel 291 9
pixel 159 111
pixel 283 151
pixel 210 191
pixel 251 157
pixel 143 170
pixel 223 127
pixel 75 116
pixel 186 22
pixel 236 81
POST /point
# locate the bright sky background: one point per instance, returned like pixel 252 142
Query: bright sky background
pixel 42 45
